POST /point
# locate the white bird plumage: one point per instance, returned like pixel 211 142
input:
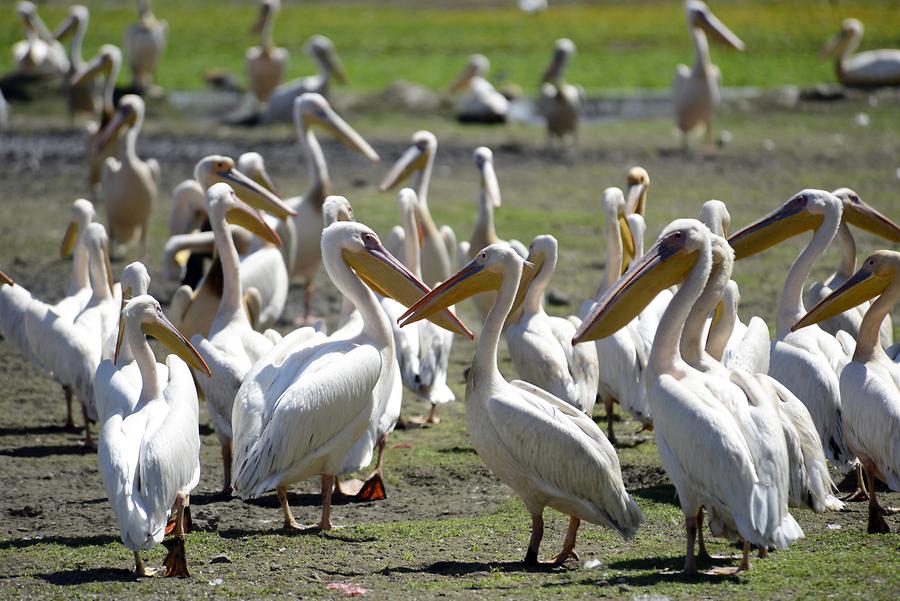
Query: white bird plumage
pixel 867 69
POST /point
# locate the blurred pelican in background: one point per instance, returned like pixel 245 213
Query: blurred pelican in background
pixel 561 103
pixel 266 63
pixel 281 102
pixel 864 70
pixel 144 43
pixel 480 102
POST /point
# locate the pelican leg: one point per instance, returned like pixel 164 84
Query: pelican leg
pixel 690 562
pixel 534 545
pixel 702 553
pixel 289 521
pixel 140 570
pixel 373 488
pixel 143 242
pixel 176 561
pixel 327 487
pixel 764 552
pixel 70 420
pixel 226 467
pixel 745 560
pixel 88 439
pixel 860 494
pixel 877 523
pixel 610 434
pixel 432 418
pixel 568 549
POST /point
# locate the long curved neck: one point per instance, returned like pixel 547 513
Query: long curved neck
pixel 75 45
pixel 230 304
pixel 702 60
pixel 534 298
pixel 790 306
pixel 614 252
pixel 145 360
pixel 129 148
pixel 375 323
pixel 265 33
pixel 80 277
pixel 848 251
pixel 423 180
pixel 720 330
pixel 692 348
pixel 664 355
pixel 99 280
pixel 319 182
pixel 484 233
pixel 411 242
pixel 868 344
pixel 109 88
pixel 484 363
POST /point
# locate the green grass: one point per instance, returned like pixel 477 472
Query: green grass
pixel 620 45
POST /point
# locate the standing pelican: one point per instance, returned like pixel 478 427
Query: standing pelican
pixel 79 98
pixel 561 103
pixel 710 445
pixel 437 246
pixel 866 69
pixel 541 346
pixel 548 452
pixel 265 63
pixel 149 450
pixel 480 103
pixel 850 320
pixel 312 110
pixel 232 345
pixel 695 90
pixel 129 184
pixel 307 401
pixel 145 41
pixel 281 102
pixel 39 54
pixel 870 383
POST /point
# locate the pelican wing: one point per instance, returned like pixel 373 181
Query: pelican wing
pixel 751 352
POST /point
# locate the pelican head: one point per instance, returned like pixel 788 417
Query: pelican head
pixel 478 66
pixel 638 184
pixel 851 29
pixel 563 50
pixel 267 10
pixel 700 17
pixel 217 168
pixel 222 202
pixel 484 161
pixel 82 214
pixel 98 246
pixel 336 208
pixel 129 114
pixel 860 214
pixel 614 207
pixel 253 166
pixel 312 109
pixel 322 50
pixel 78 17
pixel 107 57
pixel 543 251
pixel 484 273
pixel 27 12
pixel 714 215
pixel 356 245
pixel 667 263
pixel 878 272
pixel 144 311
pixel 135 282
pixel 424 145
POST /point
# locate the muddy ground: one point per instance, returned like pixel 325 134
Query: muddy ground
pixel 448 527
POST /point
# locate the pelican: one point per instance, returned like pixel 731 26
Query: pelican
pixel 870 383
pixel 695 90
pixel 312 110
pixel 39 54
pixel 306 402
pixel 107 62
pixel 281 102
pixel 144 43
pixel 481 103
pixel 128 185
pixel 710 443
pixel 266 63
pixel 149 450
pixel 849 321
pixel 866 69
pixel 561 103
pixel 232 345
pixel 193 309
pixel 540 345
pixel 80 98
pixel 548 452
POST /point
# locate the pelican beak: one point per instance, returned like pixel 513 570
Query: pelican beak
pixel 260 20
pixel 491 186
pixel 69 239
pixel 531 269
pixel 262 178
pixel 171 338
pixel 829 49
pixel 244 216
pixel 337 67
pixel 65 28
pixel 412 159
pixel 776 227
pixel 635 199
pixel 5 279
pixel 90 70
pixel 119 121
pixel 463 79
pixel 715 28
pixel 254 194
pixel 860 287
pixel 664 265
pixel 340 129
pixel 628 246
pixel 109 272
pixel 865 216
pixel 384 274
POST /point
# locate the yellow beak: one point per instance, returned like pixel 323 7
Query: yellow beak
pixel 776 227
pixel 109 133
pixel 69 239
pixel 491 185
pixel 169 336
pixel 247 218
pixel 860 287
pixel 254 194
pixel 412 159
pixel 636 199
pixel 5 279
pixel 628 245
pixel 864 216
pixel 341 130
pixel 530 271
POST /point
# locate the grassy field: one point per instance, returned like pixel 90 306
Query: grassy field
pixel 620 44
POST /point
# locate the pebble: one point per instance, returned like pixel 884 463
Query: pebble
pixel 216 582
pixel 592 564
pixel 220 558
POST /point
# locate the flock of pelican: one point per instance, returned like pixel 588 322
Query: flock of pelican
pixel 746 425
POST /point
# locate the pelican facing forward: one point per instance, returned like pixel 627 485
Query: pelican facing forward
pixel 864 70
pixel 265 63
pixel 144 43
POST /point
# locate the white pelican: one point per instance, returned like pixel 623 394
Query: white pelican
pixel 866 69
pixel 710 445
pixel 266 63
pixel 541 346
pixel 39 54
pixel 561 103
pixel 149 450
pixel 128 185
pixel 312 110
pixel 480 103
pixel 695 90
pixel 232 345
pixel 107 62
pixel 850 320
pixel 193 309
pixel 80 98
pixel 808 361
pixel 307 401
pixel 870 383
pixel 548 452
pixel 144 43
pixel 438 248
pixel 281 102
